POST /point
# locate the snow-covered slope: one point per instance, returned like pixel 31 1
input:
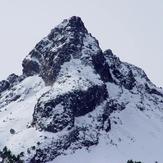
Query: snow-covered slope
pixel 76 103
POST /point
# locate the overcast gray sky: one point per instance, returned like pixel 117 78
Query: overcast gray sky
pixel 133 29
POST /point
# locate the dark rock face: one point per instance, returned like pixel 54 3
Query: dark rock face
pixel 62 110
pixel 64 41
pixel 124 77
pixel 58 117
pixel 4 85
pixel 128 81
pixel 60 113
pixel 30 67
pixel 83 102
pixel 14 79
pixel 11 80
pixel 153 91
pixel 9 91
pixel 113 105
pixel 102 67
pixel 110 107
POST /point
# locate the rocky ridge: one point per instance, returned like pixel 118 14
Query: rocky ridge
pixel 70 90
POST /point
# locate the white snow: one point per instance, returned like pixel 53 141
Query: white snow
pixel 134 134
pixel 74 76
pixel 18 115
pixel 138 138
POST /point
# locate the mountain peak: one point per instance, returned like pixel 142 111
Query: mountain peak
pixel 94 99
pixel 70 39
pixel 74 23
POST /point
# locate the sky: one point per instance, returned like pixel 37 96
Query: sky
pixel 133 29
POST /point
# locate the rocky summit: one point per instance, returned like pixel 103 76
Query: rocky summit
pixel 75 102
